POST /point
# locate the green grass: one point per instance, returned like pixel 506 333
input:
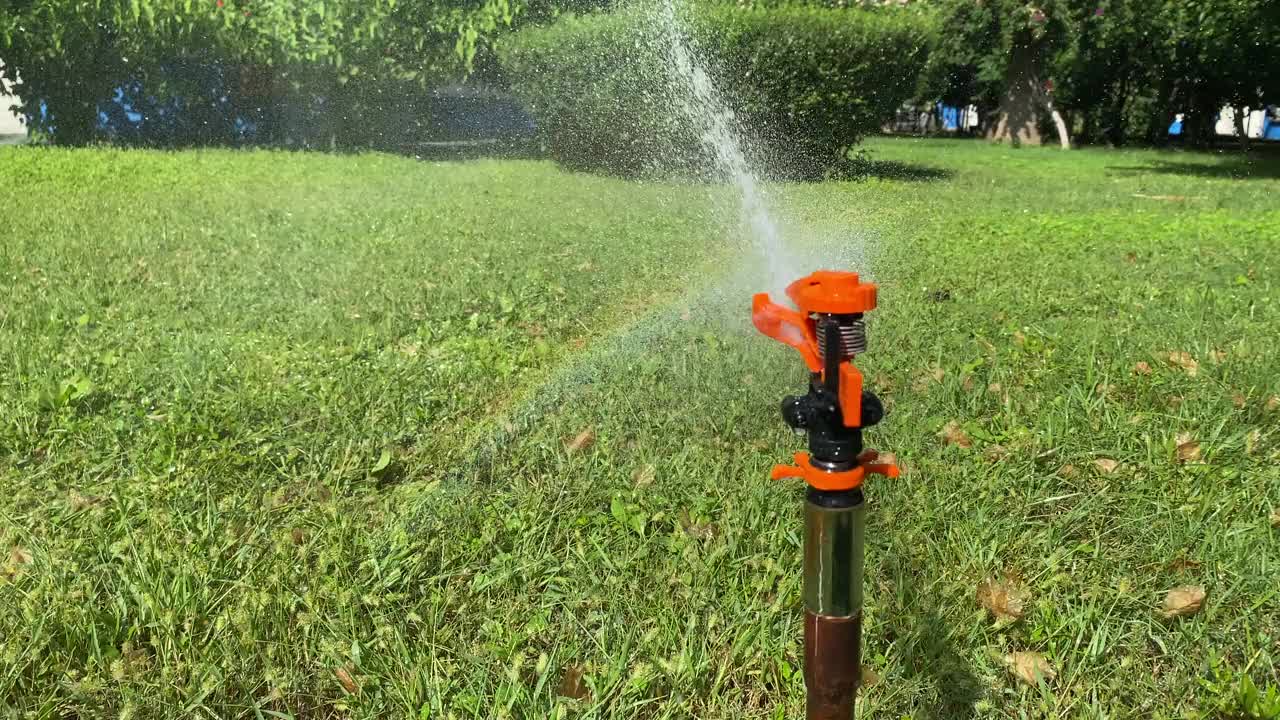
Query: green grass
pixel 283 435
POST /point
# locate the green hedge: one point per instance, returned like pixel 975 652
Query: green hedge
pixel 804 83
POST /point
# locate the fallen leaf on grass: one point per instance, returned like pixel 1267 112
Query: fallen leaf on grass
pixel 1131 257
pixel 951 434
pixel 1184 361
pixel 19 556
pixel 934 374
pixel 1142 368
pixel 1251 439
pixel 571 685
pixel 1068 471
pixel 1004 600
pixel 77 501
pixel 297 536
pixel 581 441
pixel 1273 403
pixel 1030 667
pixel 1239 401
pixel 1187 450
pixel 1275 518
pixel 1106 465
pixel 967 383
pixel 696 530
pixel 644 476
pixel 1183 600
pixel 347 681
pixel 869 677
pixel 994 388
pixel 995 453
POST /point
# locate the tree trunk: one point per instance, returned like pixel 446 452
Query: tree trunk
pixel 1064 138
pixel 1017 118
pixel 1240 133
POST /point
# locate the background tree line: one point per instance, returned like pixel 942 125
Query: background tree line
pixel 326 71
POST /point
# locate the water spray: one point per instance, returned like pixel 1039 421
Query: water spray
pixel 829 330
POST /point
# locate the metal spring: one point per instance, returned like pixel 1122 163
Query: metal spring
pixel 853 337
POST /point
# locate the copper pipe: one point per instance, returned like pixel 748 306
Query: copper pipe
pixel 832 667
pixel 833 557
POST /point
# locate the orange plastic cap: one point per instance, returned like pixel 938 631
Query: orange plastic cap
pixel 832 291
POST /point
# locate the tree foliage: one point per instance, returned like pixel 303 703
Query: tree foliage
pixel 804 82
pixel 72 55
pixel 1120 69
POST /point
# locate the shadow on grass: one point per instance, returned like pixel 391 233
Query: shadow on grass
pixel 928 654
pixel 1239 168
pixel 473 150
pixel 866 169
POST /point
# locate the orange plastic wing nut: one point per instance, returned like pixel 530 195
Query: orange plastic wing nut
pixel 786 326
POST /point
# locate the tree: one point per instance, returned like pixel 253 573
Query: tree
pixel 72 55
pixel 1113 69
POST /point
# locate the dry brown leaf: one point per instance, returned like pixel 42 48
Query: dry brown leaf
pixel 869 677
pixel 1142 368
pixel 1183 600
pixel 1273 403
pixel 1239 401
pixel 1106 465
pixel 994 388
pixel 1187 450
pixel 1184 361
pixel 696 530
pixel 78 501
pixel 928 377
pixel 571 684
pixel 995 453
pixel 951 434
pixel 347 680
pixel 1068 471
pixel 1004 600
pixel 644 476
pixel 1275 517
pixel 1030 667
pixel 581 441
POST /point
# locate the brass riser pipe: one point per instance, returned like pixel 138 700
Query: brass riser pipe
pixel 835 526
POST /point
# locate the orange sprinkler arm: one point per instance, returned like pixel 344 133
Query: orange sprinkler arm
pixel 786 326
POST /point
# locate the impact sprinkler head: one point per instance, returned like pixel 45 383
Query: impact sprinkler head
pixel 829 331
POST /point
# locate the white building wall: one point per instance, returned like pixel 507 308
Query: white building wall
pixel 10 123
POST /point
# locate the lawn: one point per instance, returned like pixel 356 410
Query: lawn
pixel 302 435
